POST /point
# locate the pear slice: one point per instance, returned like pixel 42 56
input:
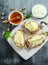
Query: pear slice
pixel 35 40
pixel 31 26
pixel 19 38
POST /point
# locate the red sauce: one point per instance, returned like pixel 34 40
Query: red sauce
pixel 16 18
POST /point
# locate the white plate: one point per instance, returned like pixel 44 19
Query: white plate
pixel 24 53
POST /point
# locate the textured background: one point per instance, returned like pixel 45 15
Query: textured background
pixel 7 55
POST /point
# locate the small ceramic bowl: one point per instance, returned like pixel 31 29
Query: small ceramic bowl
pixel 10 16
pixel 39 11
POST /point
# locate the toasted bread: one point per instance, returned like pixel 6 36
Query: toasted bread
pixel 32 27
pixel 35 40
pixel 19 38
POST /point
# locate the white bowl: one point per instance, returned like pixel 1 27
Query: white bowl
pixel 12 13
pixel 39 11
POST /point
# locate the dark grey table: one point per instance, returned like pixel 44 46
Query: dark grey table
pixel 7 55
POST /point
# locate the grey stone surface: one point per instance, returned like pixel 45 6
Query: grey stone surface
pixel 7 55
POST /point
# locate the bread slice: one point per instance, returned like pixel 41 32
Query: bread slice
pixel 19 38
pixel 35 40
pixel 32 27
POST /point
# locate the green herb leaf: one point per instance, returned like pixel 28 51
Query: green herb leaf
pixel 7 34
pixel 28 15
pixel 46 33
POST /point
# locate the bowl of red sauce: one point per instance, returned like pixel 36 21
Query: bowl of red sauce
pixel 15 17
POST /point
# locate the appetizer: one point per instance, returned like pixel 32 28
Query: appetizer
pixel 32 27
pixel 35 40
pixel 19 38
